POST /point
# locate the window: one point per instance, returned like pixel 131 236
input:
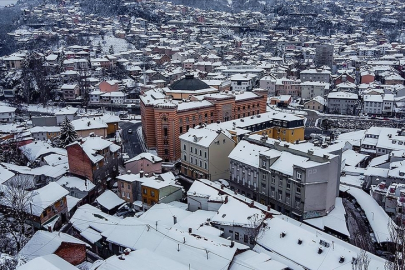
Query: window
pixel 184 147
pixel 200 163
pixel 245 238
pixel 152 193
pixel 205 165
pixel 122 185
pixel 205 154
pixel 181 130
pixel 288 185
pixel 273 179
pixel 299 175
pixel 185 158
pixel 298 190
pixel 280 195
pixel 236 236
pixel 191 159
pixel 263 185
pixel 145 191
pixel 191 149
pixel 263 163
pixel 129 186
pixel 200 153
pixel 195 151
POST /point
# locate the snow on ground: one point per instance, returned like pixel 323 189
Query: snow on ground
pixel 119 44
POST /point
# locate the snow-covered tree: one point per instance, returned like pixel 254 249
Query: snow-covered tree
pixel 67 133
pixel 16 199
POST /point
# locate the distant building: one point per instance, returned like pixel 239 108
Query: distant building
pixel 7 114
pixel 324 55
pixel 342 103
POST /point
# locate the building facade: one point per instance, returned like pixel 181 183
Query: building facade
pixel 167 113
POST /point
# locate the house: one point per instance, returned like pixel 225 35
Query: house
pixel 161 189
pixel 342 103
pixel 320 75
pixel 290 87
pixel 317 103
pixel 79 188
pixel 311 89
pixel 281 101
pixel 95 159
pixel 7 114
pixel 373 104
pixel 108 86
pixel 204 153
pixel 146 162
pixel 109 202
pixel 70 91
pixel 90 126
pixel 243 82
pixel 13 61
pixel 50 261
pixel 268 83
pixel 67 247
pixel 67 112
pixel 45 133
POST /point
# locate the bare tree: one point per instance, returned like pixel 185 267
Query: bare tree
pixel 362 261
pixel 396 246
pixel 8 262
pixel 16 203
pixel 256 227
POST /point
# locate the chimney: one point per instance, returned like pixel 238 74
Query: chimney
pixel 190 230
pixel 129 172
pixel 174 219
pixel 232 244
pixel 141 174
pixel 127 251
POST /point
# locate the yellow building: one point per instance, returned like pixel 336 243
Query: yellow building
pixel 277 125
pixel 160 189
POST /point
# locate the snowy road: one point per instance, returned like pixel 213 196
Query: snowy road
pixel 133 145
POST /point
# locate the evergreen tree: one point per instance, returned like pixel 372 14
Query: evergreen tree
pixel 111 50
pixel 67 133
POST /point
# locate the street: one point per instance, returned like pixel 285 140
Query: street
pixel 132 144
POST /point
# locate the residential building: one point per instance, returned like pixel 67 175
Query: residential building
pixel 342 103
pixel 243 82
pixel 288 188
pixel 146 162
pixel 169 112
pixel 290 87
pixel 61 244
pixel 268 83
pixel 82 189
pixel 318 103
pixel 204 153
pixel 70 91
pixel 7 114
pixel 90 127
pixel 320 75
pixel 67 112
pixel 45 133
pixel 95 159
pixel 324 55
pixel 309 89
pixel 373 104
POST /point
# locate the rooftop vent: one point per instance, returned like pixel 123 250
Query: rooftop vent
pixel 320 250
pixel 299 241
pixel 342 259
pixel 283 234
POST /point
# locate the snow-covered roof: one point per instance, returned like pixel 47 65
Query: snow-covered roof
pixel 202 136
pixel 109 200
pixel 143 259
pixel 46 196
pixel 71 182
pixel 6 109
pixel 353 158
pixel 237 213
pixel 151 157
pixel 37 149
pixel 88 123
pixel 44 243
pixel 306 255
pixel 257 261
pixel 5 174
pixel 164 213
pixel 48 262
pixel 247 153
pixel 342 95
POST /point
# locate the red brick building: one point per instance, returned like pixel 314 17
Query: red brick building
pixel 169 112
pixel 95 159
